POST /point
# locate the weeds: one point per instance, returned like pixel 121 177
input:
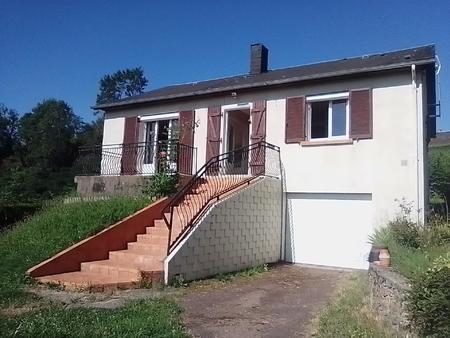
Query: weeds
pixel 350 316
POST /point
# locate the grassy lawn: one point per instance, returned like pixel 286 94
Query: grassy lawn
pixel 145 318
pixel 349 315
pixel 51 230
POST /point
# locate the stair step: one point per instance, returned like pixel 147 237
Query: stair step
pixel 85 280
pixel 158 230
pixel 152 239
pixel 160 223
pixel 106 267
pixel 149 249
pixel 139 260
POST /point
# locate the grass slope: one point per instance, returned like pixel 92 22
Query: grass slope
pixel 50 231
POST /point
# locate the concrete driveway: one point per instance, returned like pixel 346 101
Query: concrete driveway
pixel 279 303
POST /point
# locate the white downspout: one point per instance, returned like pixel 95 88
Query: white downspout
pixel 418 145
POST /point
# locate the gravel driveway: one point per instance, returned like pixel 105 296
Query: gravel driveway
pixel 279 303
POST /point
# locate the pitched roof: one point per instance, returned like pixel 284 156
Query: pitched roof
pixel 363 64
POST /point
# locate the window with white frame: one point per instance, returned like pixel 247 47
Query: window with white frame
pixel 159 130
pixel 328 116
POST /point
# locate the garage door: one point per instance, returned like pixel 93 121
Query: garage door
pixel 329 229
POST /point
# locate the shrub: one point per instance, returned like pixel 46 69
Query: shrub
pixel 429 300
pixel 15 211
pixel 435 234
pixel 162 184
pixel 405 233
pixel 381 236
pixel 440 171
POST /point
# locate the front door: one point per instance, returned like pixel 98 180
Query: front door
pixel 237 140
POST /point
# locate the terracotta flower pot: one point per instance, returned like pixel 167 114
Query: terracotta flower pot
pixel 385 258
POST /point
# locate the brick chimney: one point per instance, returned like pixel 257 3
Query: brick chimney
pixel 258 58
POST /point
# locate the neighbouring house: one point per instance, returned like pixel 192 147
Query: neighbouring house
pixel 442 139
pixel 298 164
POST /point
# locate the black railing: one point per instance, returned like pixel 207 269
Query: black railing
pixel 219 176
pixel 136 158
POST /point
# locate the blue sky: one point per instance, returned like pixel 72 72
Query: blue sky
pixel 62 48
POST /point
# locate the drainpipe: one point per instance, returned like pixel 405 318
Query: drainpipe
pixel 414 83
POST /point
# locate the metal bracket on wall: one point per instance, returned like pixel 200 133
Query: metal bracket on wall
pixel 435 105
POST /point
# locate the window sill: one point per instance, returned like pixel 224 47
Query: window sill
pixel 325 143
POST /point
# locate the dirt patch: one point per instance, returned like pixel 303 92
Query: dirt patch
pixel 279 303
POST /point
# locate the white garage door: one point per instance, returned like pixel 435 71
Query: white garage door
pixel 329 229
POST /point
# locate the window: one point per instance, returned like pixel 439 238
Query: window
pixel 159 131
pixel 328 116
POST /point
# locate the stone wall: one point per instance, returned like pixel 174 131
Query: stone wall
pixel 239 232
pixel 388 290
pixel 125 185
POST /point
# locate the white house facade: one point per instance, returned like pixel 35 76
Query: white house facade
pixel 352 135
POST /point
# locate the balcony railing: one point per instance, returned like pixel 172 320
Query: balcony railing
pixel 145 158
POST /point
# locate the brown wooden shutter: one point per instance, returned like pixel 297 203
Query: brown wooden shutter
pixel 295 119
pixel 258 118
pixel 258 134
pixel 129 148
pixel 361 114
pixel 186 150
pixel 213 132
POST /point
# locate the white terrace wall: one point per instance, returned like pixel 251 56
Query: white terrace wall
pixel 239 232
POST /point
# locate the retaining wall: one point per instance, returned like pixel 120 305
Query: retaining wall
pixel 388 291
pixel 239 232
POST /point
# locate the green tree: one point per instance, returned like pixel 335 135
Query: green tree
pixel 91 133
pixel 48 135
pixel 8 131
pixel 440 171
pixel 123 83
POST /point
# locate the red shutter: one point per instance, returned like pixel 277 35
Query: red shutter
pixel 213 132
pixel 258 134
pixel 295 119
pixel 361 114
pixel 186 150
pixel 129 149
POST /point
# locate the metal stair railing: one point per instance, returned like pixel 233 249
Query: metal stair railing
pixel 220 175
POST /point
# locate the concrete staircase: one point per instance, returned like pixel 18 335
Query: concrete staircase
pixel 143 259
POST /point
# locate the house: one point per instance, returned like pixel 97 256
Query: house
pixel 298 164
pixel 442 139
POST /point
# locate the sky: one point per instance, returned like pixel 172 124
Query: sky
pixel 60 49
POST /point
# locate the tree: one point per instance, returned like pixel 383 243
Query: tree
pixel 123 83
pixel 48 135
pixel 91 133
pixel 8 131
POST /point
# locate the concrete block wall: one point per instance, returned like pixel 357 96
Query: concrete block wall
pixel 239 232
